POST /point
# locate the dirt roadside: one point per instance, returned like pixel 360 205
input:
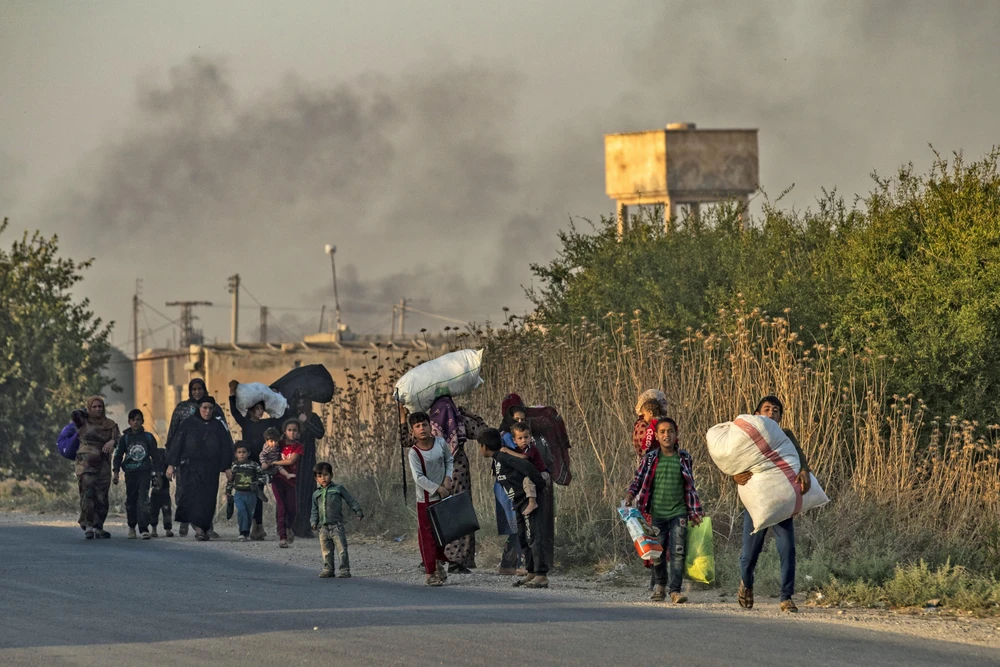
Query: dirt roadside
pixel 388 560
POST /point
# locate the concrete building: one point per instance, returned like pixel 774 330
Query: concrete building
pixel 161 376
pixel 680 165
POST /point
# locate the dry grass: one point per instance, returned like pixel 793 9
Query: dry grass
pixel 904 485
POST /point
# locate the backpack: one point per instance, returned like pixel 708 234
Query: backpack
pixel 549 432
pixel 68 442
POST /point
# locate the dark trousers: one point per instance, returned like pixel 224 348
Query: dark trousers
pixel 137 498
pixel 159 503
pixel 531 534
pixel 753 544
pixel 669 570
pixel 284 505
pixel 511 556
pixel 333 539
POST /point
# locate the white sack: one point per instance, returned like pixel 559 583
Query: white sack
pixel 252 393
pixel 757 444
pixel 452 374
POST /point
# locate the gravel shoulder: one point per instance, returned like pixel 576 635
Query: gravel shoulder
pixel 388 560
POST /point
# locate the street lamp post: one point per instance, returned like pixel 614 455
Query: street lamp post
pixel 331 250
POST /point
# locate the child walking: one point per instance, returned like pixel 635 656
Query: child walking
pixel 664 489
pixel 283 484
pixel 244 488
pixel 432 467
pixel 514 474
pixel 327 516
pixel 159 497
pixel 135 453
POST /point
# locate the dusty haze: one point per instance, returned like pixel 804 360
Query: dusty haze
pixel 439 149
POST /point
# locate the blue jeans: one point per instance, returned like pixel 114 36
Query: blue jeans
pixel 673 536
pixel 246 503
pixel 784 536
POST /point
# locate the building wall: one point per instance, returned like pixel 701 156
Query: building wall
pixel 162 375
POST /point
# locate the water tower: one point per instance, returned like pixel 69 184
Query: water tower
pixel 680 165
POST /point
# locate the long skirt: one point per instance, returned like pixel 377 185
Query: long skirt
pixel 197 491
pixel 304 488
pixel 93 475
pixel 463 550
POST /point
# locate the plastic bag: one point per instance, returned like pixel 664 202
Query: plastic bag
pixel 699 558
pixel 643 535
pixel 452 374
pixel 252 393
pixel 68 442
pixel 757 444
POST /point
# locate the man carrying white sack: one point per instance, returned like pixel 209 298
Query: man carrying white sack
pixel 784 532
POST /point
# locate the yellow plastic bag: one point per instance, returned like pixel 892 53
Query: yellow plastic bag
pixel 699 559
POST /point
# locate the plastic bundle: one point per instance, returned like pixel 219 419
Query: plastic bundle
pixel 252 393
pixel 453 374
pixel 643 535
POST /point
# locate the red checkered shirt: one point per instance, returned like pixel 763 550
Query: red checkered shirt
pixel 642 486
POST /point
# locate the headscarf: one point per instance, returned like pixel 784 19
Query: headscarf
pixel 651 395
pixel 191 385
pixel 98 428
pixel 510 403
pixel 207 398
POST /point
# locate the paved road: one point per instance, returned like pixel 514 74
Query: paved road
pixel 65 600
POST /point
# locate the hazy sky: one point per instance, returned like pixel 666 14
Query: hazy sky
pixel 439 145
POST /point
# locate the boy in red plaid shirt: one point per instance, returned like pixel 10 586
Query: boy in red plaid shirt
pixel 664 491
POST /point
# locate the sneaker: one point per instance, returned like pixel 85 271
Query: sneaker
pixel 88 533
pixel 744 596
pixel 242 538
pixel 183 530
pixel 145 535
pixel 326 574
pixel 168 533
pixel 283 544
pixel 659 594
pixel 131 533
pixel 153 533
pixel 789 607
pixel 101 533
pixel 677 598
pixel 344 574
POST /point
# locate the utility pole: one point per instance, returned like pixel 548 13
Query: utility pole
pixel 331 250
pixel 263 324
pixel 135 320
pixel 234 289
pixel 402 317
pixel 187 319
pixel 392 330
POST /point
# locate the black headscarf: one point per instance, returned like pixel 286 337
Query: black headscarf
pixel 511 403
pixel 191 385
pixel 207 398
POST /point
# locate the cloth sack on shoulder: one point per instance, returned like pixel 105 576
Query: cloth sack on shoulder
pixel 252 393
pixel 756 443
pixel 452 374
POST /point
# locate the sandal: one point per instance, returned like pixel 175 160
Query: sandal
pixel 744 596
pixel 525 581
pixel 534 583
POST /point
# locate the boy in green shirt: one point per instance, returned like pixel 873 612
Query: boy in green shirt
pixel 327 516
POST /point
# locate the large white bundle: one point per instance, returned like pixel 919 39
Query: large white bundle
pixel 252 393
pixel 758 444
pixel 452 374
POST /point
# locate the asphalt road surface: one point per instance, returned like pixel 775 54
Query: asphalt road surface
pixel 66 600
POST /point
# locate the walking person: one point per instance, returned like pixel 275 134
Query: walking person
pixel 448 423
pixel 245 488
pixel 98 436
pixel 311 431
pixel 136 454
pixel 664 489
pixel 159 497
pixel 252 429
pixel 201 451
pixel 197 389
pixel 784 532
pixel 284 483
pixel 326 515
pixel 432 466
